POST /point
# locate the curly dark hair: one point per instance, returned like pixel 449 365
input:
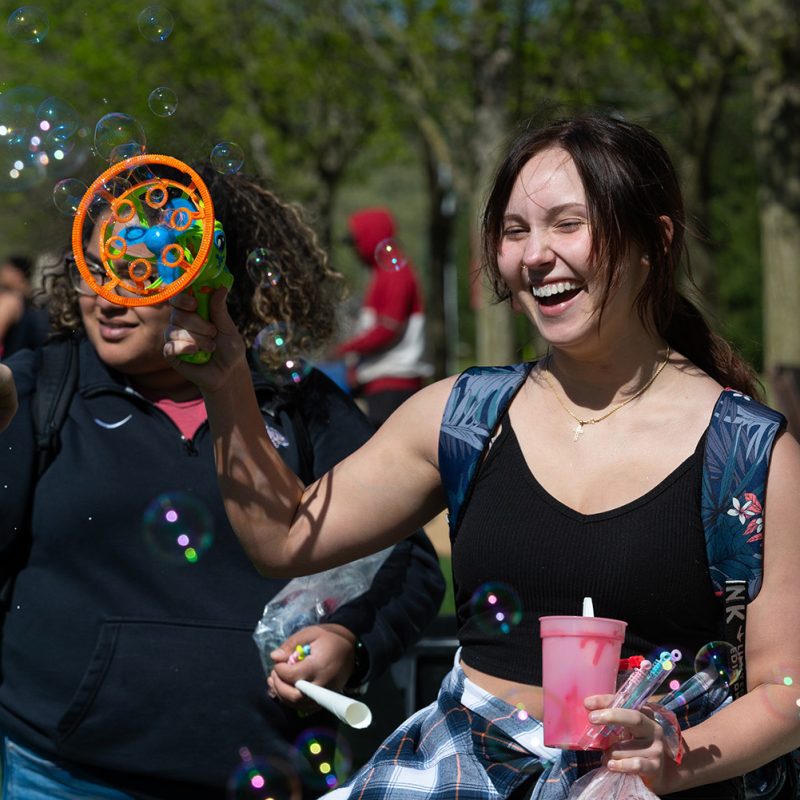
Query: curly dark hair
pixel 305 296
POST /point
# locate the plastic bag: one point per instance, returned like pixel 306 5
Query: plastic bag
pixel 308 600
pixel 602 784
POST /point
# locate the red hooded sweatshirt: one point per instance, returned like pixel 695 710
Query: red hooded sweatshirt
pixel 390 338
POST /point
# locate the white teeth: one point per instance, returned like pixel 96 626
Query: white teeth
pixel 554 288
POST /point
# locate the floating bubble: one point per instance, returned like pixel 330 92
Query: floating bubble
pixel 227 157
pixel 326 758
pixel 262 268
pixel 67 195
pixel 155 23
pixel 261 778
pixel 163 102
pixel 116 133
pixel 496 607
pixel 28 24
pixel 122 152
pixel 99 205
pixel 722 658
pixel 55 114
pixel 178 527
pixel 390 255
pixel 282 354
pixel 36 131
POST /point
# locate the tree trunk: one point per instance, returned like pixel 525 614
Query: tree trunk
pixel 777 96
pixel 492 58
pixel 440 233
pixel 768 32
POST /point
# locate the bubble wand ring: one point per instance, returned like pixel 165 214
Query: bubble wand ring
pixel 123 209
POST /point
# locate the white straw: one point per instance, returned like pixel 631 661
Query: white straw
pixel 352 712
pixel 588 607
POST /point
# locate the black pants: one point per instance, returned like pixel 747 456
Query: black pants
pixel 380 405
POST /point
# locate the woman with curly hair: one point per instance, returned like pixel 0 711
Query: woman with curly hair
pixel 125 672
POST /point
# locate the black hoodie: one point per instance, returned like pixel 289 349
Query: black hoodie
pixel 138 669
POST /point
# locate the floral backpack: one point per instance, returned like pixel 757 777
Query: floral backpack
pixel 738 446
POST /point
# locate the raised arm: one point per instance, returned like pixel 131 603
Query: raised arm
pixel 377 496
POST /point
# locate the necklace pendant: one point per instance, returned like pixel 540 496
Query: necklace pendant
pixel 578 431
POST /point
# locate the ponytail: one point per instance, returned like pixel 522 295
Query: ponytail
pixel 689 334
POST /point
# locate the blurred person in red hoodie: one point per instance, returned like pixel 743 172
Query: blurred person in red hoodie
pixel 386 353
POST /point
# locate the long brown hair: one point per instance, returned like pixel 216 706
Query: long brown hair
pixel 631 184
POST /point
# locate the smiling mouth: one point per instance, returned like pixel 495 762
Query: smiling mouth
pixel 554 293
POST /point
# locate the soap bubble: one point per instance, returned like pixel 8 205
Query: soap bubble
pixel 101 201
pixel 163 102
pixel 59 123
pixel 722 658
pixel 178 528
pixel 155 23
pixel 262 268
pixel 227 157
pixel 282 354
pixel 390 255
pixel 115 130
pixel 28 24
pixel 262 778
pixel 496 607
pixel 122 152
pixel 37 131
pixel 326 758
pixel 67 195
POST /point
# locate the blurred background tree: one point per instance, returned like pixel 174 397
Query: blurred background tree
pixel 407 103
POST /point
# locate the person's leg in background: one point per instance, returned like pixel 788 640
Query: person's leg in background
pixel 27 776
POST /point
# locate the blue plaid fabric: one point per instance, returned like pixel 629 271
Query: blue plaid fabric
pixel 469 744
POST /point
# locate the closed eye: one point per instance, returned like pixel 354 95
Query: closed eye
pixel 569 225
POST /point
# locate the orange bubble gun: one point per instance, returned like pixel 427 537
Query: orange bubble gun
pixel 157 236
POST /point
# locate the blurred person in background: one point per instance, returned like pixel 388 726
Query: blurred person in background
pixel 386 353
pixel 125 672
pixel 21 325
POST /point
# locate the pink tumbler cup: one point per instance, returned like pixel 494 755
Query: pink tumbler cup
pixel 580 657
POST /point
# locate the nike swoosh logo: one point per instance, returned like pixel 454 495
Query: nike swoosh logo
pixel 111 425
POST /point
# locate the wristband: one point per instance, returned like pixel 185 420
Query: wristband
pixel 360 666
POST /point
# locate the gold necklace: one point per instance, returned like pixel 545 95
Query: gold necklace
pixel 592 420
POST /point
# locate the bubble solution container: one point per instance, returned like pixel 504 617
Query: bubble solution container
pixel 580 657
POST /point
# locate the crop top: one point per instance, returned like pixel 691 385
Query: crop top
pixel 520 554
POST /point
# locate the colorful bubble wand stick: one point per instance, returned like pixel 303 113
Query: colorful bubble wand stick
pixel 633 693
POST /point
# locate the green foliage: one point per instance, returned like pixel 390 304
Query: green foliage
pixel 349 102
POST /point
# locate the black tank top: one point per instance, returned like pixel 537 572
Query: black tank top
pixel 521 554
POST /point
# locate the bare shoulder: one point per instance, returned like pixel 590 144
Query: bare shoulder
pixel 782 508
pixel 784 469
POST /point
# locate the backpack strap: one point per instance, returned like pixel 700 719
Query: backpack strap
pixel 735 466
pixel 477 402
pixel 56 380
